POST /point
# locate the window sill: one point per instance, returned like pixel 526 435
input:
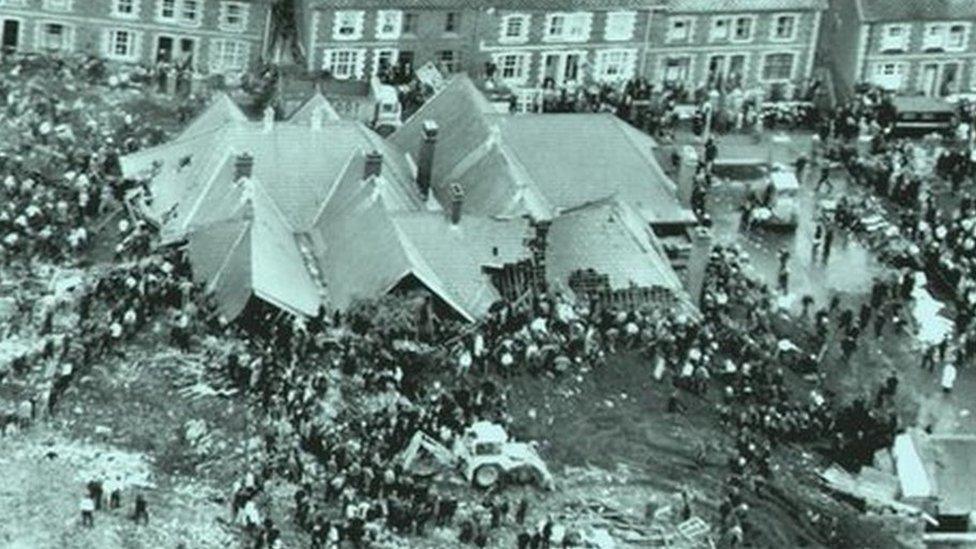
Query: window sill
pixel 742 40
pixel 514 40
pixel 782 40
pixel 346 38
pixel 237 29
pixel 389 37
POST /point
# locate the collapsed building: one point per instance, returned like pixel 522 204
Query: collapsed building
pixel 462 202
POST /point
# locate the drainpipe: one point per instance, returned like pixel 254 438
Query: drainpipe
pixel 647 42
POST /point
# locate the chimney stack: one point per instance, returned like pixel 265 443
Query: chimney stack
pixel 243 166
pixel 373 165
pixel 457 201
pixel 425 162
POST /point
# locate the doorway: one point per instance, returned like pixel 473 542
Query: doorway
pixel 930 79
pixel 170 49
pixel 11 35
pixel 560 68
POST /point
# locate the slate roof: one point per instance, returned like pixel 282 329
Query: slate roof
pixel 873 11
pixel 745 6
pixel 610 238
pixel 525 5
pixel 538 164
pixel 252 253
pixel 297 165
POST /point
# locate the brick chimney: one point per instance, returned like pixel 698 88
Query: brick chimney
pixel 457 202
pixel 373 165
pixel 243 166
pixel 425 161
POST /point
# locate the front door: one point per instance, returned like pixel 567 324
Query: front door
pixel 571 68
pixel 185 52
pixel 550 70
pixel 11 35
pixel 948 81
pixel 930 79
pixel 164 49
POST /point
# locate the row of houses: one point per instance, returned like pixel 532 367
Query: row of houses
pixel 551 42
pixel 923 46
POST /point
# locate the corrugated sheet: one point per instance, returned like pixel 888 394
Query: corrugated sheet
pixel 603 236
pixel 917 10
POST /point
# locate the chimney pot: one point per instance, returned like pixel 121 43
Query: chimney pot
pixel 457 202
pixel 243 166
pixel 425 160
pixel 373 165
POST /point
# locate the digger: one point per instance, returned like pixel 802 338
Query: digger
pixel 483 455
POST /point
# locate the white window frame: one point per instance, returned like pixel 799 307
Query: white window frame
pixel 111 37
pixel 774 27
pixel 689 23
pixel 456 17
pixel 627 64
pixel 579 21
pixel 939 42
pixel 522 37
pixel 663 66
pixel 735 25
pixel 713 36
pixel 966 27
pixel 395 21
pixel 68 38
pixel 244 15
pixel 179 12
pixel 899 69
pixel 456 62
pixel 356 63
pixel 219 55
pixel 356 20
pixel 619 26
pixel 394 56
pixel 889 44
pixel 134 5
pixel 522 65
pixel 727 63
pixel 793 66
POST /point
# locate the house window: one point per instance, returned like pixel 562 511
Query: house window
pixel 124 8
pixel 615 65
pixel 620 25
pixel 167 9
pixel 935 37
pixel 389 24
pixel 348 25
pixel 452 22
pixel 190 12
pixel 743 29
pixel 784 28
pixel 344 64
pixel 511 66
pixel 449 60
pixel 515 28
pixel 121 44
pixel 185 12
pixel 57 5
pixel 677 69
pixel 409 25
pixel 229 55
pixel 54 37
pixel 958 36
pixel 894 37
pixel 720 29
pixel 385 60
pixel 778 66
pixel 233 16
pixel 679 29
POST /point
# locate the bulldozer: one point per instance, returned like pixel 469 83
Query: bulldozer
pixel 484 455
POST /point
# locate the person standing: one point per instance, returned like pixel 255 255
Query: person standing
pixel 87 507
pixel 141 510
pixel 948 377
pixel 784 279
pixel 828 243
pixel 800 165
pixel 824 179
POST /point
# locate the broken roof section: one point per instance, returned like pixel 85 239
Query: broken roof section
pixel 538 164
pixel 608 237
pixel 363 249
pixel 939 467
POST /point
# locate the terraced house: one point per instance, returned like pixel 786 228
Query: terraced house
pixel 749 42
pixel 922 46
pixel 207 35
